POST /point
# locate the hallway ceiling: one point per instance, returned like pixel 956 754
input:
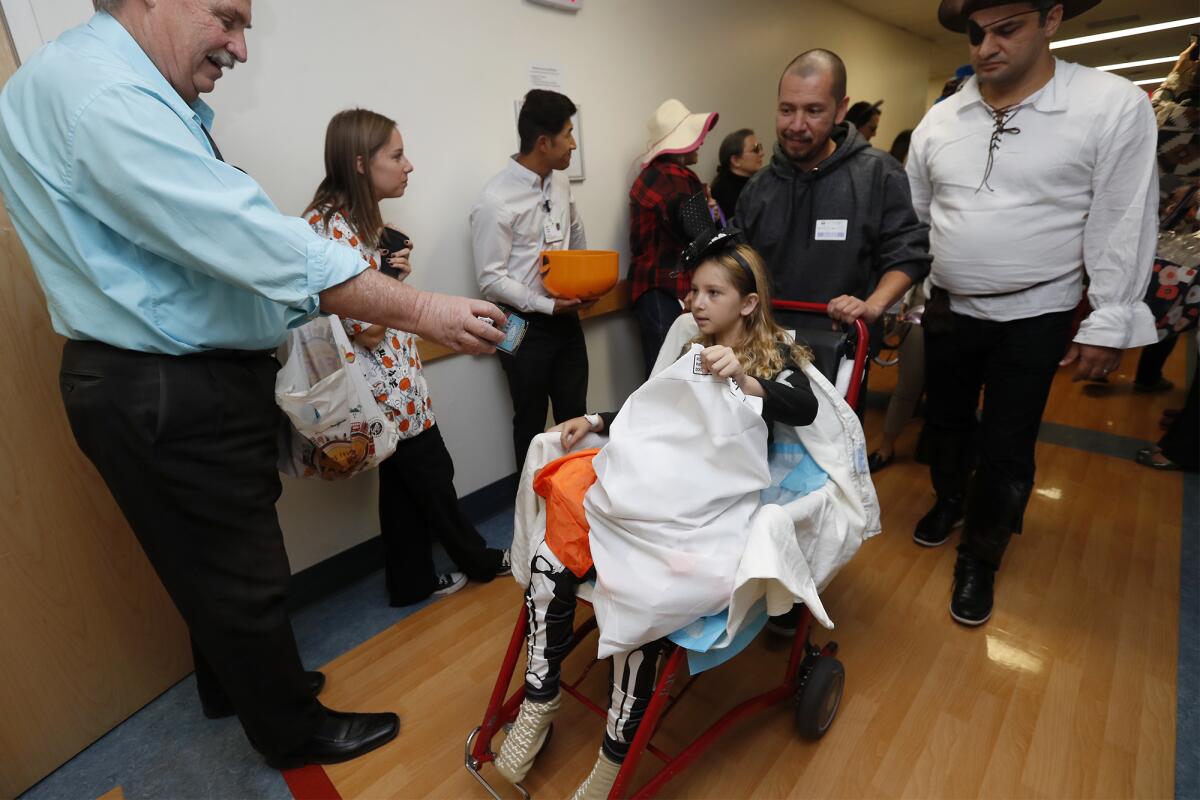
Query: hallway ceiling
pixel 920 17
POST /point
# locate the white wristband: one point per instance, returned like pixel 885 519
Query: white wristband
pixel 594 421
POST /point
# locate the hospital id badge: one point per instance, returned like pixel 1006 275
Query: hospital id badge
pixel 552 232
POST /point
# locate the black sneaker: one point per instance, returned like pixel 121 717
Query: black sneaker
pixel 936 526
pixel 974 584
pixel 505 563
pixel 449 583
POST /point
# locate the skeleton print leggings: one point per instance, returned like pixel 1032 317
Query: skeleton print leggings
pixel 550 610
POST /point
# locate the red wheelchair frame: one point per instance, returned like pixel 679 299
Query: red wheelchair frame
pixel 813 676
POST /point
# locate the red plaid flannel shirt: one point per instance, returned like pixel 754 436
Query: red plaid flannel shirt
pixel 654 236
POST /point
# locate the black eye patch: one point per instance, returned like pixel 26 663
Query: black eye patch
pixel 976 32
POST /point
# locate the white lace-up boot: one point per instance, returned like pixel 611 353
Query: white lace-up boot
pixel 525 738
pixel 600 781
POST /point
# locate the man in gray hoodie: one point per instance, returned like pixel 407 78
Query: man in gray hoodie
pixel 831 215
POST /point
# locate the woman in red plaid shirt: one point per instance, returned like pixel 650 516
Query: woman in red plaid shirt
pixel 657 281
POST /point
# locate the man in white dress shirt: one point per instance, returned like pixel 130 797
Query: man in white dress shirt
pixel 1036 173
pixel 526 209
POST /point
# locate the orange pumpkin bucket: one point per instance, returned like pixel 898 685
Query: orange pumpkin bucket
pixel 571 274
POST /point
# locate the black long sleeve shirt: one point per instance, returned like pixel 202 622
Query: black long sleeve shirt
pixel 789 402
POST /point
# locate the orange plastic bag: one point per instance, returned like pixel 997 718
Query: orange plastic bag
pixel 563 483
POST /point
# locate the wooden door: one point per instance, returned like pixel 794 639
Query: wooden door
pixel 87 633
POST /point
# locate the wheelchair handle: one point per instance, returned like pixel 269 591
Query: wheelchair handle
pixel 860 348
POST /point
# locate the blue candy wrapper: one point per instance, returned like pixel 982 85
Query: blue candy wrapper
pixel 514 333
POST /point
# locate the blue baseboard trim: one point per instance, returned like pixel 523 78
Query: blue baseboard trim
pixel 491 499
pixel 315 583
pixel 319 581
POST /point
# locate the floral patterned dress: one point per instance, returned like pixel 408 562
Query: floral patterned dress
pixel 393 368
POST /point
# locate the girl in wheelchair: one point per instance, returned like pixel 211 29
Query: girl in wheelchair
pixel 730 302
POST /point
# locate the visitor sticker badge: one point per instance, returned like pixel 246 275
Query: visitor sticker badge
pixel 832 230
pixel 552 231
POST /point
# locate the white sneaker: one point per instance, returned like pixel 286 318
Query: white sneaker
pixel 505 563
pixel 525 738
pixel 449 583
pixel 599 781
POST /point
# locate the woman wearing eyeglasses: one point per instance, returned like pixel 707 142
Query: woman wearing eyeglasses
pixel 740 156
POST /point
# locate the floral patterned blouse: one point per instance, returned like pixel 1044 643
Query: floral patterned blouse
pixel 393 368
pixel 1177 106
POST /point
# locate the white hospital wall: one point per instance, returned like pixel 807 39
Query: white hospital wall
pixel 449 73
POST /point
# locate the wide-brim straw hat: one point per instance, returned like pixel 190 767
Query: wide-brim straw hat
pixel 953 14
pixel 674 129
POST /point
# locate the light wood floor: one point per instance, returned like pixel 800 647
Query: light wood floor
pixel 1068 692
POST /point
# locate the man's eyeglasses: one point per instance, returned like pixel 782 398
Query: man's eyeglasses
pixel 976 32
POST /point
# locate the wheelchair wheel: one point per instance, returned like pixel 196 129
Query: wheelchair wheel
pixel 819 696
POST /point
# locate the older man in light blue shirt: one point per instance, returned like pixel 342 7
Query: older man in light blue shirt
pixel 172 275
pixel 141 237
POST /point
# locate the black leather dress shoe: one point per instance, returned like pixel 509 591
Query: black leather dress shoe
pixel 222 708
pixel 936 526
pixel 342 736
pixel 974 585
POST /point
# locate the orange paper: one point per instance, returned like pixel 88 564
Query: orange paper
pixel 563 483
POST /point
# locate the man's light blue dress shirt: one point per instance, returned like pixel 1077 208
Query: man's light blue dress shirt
pixel 139 235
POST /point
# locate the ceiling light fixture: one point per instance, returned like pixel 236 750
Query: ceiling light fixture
pixel 1148 81
pixel 1103 37
pixel 1143 63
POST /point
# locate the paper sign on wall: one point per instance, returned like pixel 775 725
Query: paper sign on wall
pixel 551 77
pixel 547 76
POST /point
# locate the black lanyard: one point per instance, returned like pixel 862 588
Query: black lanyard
pixel 216 150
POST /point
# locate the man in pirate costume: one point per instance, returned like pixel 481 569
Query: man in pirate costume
pixel 1036 172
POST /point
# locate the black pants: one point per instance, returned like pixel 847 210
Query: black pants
pixel 1151 361
pixel 550 612
pixel 655 310
pixel 418 505
pixel 1013 363
pixel 187 446
pixel 550 367
pixel 1181 442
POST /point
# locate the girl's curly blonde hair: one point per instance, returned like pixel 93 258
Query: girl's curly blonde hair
pixel 759 350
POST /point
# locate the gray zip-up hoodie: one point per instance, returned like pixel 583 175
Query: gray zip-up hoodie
pixel 837 229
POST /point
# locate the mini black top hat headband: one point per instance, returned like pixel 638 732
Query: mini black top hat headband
pixel 707 239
